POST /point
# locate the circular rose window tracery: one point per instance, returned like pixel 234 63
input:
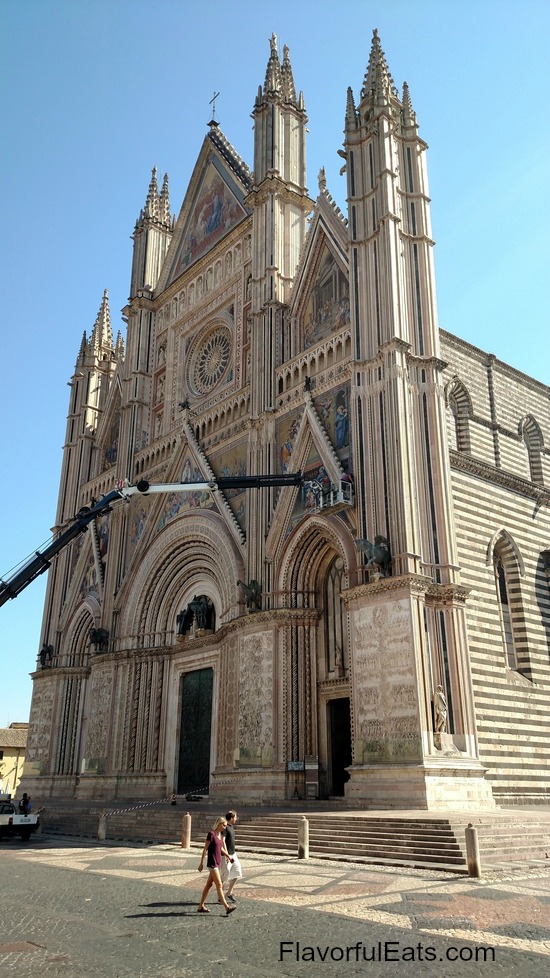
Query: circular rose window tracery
pixel 210 361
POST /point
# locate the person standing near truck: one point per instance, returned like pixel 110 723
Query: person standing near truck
pixel 25 806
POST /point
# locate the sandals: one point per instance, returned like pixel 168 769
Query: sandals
pixel 229 910
pixel 203 910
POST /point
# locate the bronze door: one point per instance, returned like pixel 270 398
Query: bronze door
pixel 196 725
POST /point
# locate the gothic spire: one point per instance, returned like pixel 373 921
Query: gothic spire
pixel 152 202
pixel 408 113
pixel 378 83
pixel 119 346
pixel 351 112
pixel 289 90
pixel 164 202
pixel 102 334
pixel 82 351
pixel 273 76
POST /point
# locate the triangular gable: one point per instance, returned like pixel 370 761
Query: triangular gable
pixel 108 431
pixel 86 573
pixel 308 450
pixel 327 229
pixel 151 514
pixel 213 205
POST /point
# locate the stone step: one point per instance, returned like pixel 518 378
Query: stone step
pixel 412 863
pixel 415 823
pixel 354 839
pixel 450 855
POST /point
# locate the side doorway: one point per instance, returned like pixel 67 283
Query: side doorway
pixel 339 728
pixel 195 731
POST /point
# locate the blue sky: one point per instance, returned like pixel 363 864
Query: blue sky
pixel 94 93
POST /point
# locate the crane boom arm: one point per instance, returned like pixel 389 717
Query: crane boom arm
pixel 42 559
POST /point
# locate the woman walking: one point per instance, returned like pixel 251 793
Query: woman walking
pixel 215 849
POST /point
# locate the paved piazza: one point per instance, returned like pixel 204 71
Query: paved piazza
pixel 71 908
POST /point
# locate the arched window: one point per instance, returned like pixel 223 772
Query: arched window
pixel 336 636
pixel 532 438
pixel 459 409
pixel 505 612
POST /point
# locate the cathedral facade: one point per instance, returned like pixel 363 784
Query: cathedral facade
pixel 379 632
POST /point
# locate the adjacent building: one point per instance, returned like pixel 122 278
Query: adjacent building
pixel 13 744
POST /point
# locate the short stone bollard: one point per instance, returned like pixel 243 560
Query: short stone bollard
pixel 186 831
pixel 303 839
pixel 472 851
pixel 102 828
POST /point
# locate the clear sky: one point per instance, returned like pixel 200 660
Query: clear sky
pixel 97 92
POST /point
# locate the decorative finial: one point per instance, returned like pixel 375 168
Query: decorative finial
pixel 212 102
pixel 322 179
pixel 273 43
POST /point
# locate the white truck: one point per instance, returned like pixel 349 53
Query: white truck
pixel 13 822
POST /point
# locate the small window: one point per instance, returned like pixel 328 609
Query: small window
pixel 532 438
pixel 505 615
pixel 460 412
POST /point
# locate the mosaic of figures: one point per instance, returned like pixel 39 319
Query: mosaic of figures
pixel 333 411
pixel 178 503
pixel 139 513
pixel 327 309
pixel 233 463
pixel 287 429
pixel 89 584
pixel 102 527
pixel 111 442
pixel 216 211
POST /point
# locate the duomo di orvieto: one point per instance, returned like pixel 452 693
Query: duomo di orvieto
pixel 242 642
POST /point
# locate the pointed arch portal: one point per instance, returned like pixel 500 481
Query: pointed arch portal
pixel 195 731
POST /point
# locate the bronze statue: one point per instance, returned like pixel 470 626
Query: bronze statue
pixel 378 553
pixel 199 606
pixel 99 638
pixel 46 655
pixel 252 594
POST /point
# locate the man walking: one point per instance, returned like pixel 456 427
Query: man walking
pixel 230 872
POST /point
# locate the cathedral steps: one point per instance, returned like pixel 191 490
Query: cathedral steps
pixel 419 840
pixel 414 842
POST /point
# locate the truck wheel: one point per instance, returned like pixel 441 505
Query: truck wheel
pixel 25 834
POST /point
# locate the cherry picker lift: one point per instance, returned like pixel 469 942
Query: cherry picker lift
pixel 41 560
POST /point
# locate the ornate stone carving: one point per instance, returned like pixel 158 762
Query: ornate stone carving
pixel 256 697
pixel 385 702
pixel 99 710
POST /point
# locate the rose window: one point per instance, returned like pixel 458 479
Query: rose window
pixel 210 361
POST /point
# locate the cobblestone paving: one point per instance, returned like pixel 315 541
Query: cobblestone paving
pixel 72 909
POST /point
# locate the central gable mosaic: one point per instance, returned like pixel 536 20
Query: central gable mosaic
pixel 217 208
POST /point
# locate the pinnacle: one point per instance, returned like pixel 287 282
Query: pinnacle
pixel 289 90
pixel 377 83
pixel 164 202
pixel 409 115
pixel 152 202
pixel 102 334
pixel 157 205
pixel 351 112
pixel 273 76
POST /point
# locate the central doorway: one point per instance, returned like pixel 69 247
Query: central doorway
pixel 196 726
pixel 340 743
